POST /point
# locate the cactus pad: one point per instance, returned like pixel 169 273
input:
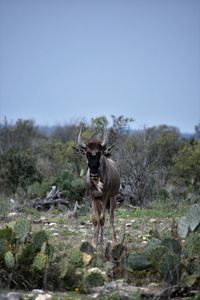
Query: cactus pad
pixel 40 261
pixel 192 244
pixel 136 261
pixel 172 245
pixel 152 244
pixel 170 269
pixel 183 227
pixel 22 228
pixel 39 238
pixel 194 216
pixel 9 260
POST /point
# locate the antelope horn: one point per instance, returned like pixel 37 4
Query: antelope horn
pixel 81 144
pixel 105 139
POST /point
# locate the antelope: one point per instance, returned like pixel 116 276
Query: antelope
pixel 102 183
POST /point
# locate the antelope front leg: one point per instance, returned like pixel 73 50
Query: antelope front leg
pixel 102 219
pixel 112 207
pixel 96 206
pixel 95 239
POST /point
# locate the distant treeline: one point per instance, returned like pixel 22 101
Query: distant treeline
pixel 155 163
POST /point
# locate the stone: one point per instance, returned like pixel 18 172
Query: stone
pixel 13 296
pixel 152 220
pixel 144 242
pixel 12 215
pixel 53 224
pixel 38 291
pixel 43 297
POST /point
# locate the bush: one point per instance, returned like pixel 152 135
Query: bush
pixel 18 169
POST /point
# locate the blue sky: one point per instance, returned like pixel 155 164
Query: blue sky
pixel 64 60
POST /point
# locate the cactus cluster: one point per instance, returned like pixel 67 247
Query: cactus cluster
pixel 173 260
pixel 23 254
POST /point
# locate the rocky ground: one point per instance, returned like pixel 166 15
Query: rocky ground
pixel 134 228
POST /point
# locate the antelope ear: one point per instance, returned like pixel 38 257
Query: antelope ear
pixel 79 150
pixel 76 149
pixel 107 151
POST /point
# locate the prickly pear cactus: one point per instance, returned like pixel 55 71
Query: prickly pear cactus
pixel 151 246
pixel 173 246
pixel 7 234
pixel 94 277
pixel 183 227
pixel 9 260
pixel 194 216
pixel 2 247
pixel 135 262
pixel 39 238
pixel 40 261
pixel 156 255
pixel 87 247
pixel 170 269
pixel 27 255
pixel 75 258
pixel 117 251
pixel 192 245
pixel 22 228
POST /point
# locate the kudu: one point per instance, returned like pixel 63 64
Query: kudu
pixel 102 183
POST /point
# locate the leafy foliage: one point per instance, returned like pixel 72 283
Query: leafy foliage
pixel 187 164
pixel 18 169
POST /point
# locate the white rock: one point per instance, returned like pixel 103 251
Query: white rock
pixel 153 284
pixel 53 224
pixel 152 220
pixel 13 215
pixel 43 297
pixel 38 291
pixel 97 270
pixel 144 242
pixel 55 234
pixel 13 296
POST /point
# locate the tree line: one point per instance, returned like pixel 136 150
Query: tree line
pixel 155 163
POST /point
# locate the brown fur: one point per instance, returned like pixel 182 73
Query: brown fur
pixel 109 176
